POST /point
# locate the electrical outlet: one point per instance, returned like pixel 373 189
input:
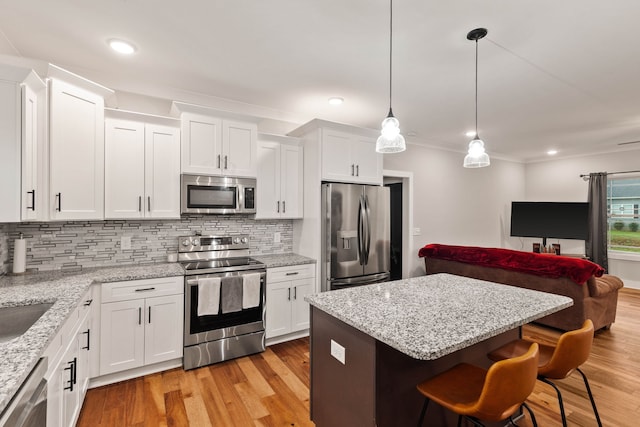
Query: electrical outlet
pixel 338 351
pixel 276 237
pixel 125 243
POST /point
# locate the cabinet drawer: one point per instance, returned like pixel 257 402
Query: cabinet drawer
pixel 293 272
pixel 134 289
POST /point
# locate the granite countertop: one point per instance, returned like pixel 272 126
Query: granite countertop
pixel 19 355
pixel 284 260
pixel 431 316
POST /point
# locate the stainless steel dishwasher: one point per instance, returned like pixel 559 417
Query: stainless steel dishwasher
pixel 28 408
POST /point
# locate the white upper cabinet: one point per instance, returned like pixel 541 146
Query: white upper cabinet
pixel 142 170
pixel 22 95
pixel 280 178
pixel 76 152
pixel 350 157
pixel 340 153
pixel 217 144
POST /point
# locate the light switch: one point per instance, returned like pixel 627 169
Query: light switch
pixel 338 351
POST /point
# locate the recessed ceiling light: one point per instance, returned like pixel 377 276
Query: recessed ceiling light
pixel 552 152
pixel 122 46
pixel 471 133
pixel 336 100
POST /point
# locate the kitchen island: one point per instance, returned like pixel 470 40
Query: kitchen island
pixel 371 345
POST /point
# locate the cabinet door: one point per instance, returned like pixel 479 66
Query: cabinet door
pixel 162 172
pixel 124 169
pixel 84 350
pixel 201 144
pixel 76 150
pixel 268 197
pixel 239 148
pixel 299 307
pixel 10 176
pixel 121 336
pixel 30 188
pixel 70 390
pixel 368 162
pixel 278 321
pixel 291 181
pixel 163 329
pixel 336 156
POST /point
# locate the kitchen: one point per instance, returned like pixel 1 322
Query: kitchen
pixel 163 184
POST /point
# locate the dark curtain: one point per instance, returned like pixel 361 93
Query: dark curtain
pixel 596 245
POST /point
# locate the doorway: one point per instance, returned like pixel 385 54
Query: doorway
pixel 395 191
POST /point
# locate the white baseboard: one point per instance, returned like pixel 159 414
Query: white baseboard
pixel 287 337
pixel 134 373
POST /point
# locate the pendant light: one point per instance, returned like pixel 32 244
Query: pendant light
pixel 390 140
pixel 476 157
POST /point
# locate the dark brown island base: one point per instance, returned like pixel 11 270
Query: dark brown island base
pixel 371 345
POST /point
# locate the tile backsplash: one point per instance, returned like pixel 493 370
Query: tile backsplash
pixel 79 244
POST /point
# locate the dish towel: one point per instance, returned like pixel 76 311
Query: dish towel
pixel 208 296
pixel 251 290
pixel 231 294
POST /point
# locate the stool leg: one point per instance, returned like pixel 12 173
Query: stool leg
pixel 564 418
pixel 533 417
pixel 424 411
pixel 593 402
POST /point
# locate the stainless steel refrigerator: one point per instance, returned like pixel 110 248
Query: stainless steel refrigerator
pixel 355 235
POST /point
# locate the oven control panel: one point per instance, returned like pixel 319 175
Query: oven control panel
pixel 212 243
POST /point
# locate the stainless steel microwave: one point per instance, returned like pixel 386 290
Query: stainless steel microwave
pixel 203 194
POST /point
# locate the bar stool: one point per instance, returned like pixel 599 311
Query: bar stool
pixel 479 394
pixel 559 361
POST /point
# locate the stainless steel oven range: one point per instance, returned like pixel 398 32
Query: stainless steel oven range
pixel 224 299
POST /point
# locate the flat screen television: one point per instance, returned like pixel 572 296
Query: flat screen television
pixel 560 220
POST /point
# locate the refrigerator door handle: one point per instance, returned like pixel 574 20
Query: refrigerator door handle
pixel 367 247
pixel 361 225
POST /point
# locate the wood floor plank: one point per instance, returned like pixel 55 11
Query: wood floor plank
pixel 271 389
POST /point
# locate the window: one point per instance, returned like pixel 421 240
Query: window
pixel 623 203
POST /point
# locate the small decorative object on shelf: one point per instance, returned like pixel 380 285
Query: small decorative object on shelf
pixel 556 248
pixel 536 248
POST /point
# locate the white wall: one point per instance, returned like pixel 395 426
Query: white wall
pixel 558 180
pixel 454 205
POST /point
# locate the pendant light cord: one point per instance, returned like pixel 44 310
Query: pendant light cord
pixel 477 89
pixel 390 51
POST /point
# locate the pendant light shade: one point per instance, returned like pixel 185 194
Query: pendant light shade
pixel 390 139
pixel 476 156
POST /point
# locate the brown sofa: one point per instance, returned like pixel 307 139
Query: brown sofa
pixel 596 299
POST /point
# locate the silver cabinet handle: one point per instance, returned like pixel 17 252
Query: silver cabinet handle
pixel 357 170
pixel 295 292
pixel 226 166
pixel 352 168
pixel 149 314
pixel 139 203
pixel 278 207
pixel 284 206
pixel 292 273
pixel 88 302
pixel 59 196
pixel 288 294
pixel 139 315
pixel 145 289
pixel 218 161
pixel 149 203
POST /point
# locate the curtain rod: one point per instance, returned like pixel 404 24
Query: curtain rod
pixel 611 173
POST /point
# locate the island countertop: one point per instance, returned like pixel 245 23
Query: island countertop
pixel 431 316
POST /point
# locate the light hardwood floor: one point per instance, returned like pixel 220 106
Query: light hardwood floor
pixel 272 388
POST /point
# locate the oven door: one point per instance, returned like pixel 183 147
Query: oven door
pixel 201 329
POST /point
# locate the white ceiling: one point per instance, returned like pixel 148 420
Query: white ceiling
pixel 552 74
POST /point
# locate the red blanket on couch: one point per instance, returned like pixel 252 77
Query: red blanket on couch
pixel 576 269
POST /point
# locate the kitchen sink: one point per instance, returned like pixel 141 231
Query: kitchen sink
pixel 15 321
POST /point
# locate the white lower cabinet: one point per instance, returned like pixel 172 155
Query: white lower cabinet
pixel 141 323
pixel 68 373
pixel 287 311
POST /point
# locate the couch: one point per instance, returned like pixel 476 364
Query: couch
pixel 594 294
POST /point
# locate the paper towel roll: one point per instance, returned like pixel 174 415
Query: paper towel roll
pixel 19 255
